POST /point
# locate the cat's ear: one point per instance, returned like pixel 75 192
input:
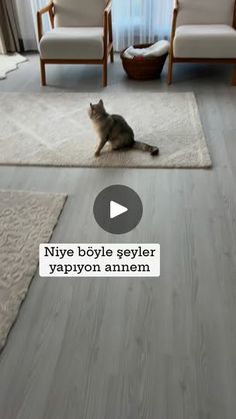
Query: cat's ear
pixel 91 106
pixel 101 102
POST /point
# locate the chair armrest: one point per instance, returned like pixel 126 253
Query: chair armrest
pixel 176 6
pixel 47 9
pixel 107 23
pixel 175 14
pixel 174 22
pixel 108 7
pixel 234 20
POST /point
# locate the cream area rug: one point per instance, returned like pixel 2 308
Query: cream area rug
pixel 54 130
pixel 26 220
pixel 9 62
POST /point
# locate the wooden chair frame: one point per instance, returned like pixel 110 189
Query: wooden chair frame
pixel 107 39
pixel 173 59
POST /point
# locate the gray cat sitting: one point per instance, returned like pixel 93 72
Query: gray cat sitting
pixel 114 128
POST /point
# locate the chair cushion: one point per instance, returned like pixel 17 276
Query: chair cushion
pixel 205 41
pixel 72 43
pixel 203 12
pixel 80 13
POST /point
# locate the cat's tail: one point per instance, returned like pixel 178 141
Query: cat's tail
pixel 138 145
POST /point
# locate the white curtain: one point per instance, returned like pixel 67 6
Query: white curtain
pixel 2 44
pixel 140 21
pixel 27 10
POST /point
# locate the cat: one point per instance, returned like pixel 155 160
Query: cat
pixel 115 129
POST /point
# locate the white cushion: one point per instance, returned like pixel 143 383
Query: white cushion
pixel 79 13
pixel 205 41
pixel 72 43
pixel 205 12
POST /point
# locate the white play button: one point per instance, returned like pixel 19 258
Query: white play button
pixel 116 209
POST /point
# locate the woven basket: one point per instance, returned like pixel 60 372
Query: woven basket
pixel 146 69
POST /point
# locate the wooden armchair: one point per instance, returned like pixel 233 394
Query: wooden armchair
pixel 81 33
pixel 203 31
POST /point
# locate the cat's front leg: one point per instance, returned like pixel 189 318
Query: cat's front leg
pixel 100 147
pixel 97 153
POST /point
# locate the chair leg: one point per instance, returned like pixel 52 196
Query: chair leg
pixel 170 70
pixel 105 73
pixel 234 77
pixel 43 73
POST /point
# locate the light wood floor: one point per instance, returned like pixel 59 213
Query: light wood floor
pixel 134 348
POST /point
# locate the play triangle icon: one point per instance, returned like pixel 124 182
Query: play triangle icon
pixel 116 209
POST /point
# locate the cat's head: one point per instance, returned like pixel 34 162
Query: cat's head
pixel 97 110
